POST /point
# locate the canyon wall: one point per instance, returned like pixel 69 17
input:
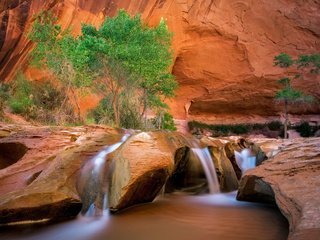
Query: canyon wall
pixel 223 49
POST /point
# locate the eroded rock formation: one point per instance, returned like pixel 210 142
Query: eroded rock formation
pixel 42 183
pixel 290 178
pixel 223 49
pixel 47 176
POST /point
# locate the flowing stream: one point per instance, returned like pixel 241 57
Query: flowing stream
pixel 93 182
pixel 245 159
pixel 178 217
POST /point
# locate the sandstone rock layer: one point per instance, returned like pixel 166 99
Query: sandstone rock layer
pixel 291 178
pixel 42 183
pixel 223 49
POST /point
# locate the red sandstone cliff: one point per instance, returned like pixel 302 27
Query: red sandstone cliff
pixel 223 48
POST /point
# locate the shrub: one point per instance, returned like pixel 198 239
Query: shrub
pixel 275 125
pixel 21 100
pixel 129 113
pixel 42 102
pixel 103 113
pixel 164 120
pixel 235 129
pixel 305 129
pixel 4 88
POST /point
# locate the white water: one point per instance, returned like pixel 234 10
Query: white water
pixel 93 179
pixel 245 159
pixel 206 160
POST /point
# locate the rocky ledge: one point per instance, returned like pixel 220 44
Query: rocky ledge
pixel 52 173
pixel 291 179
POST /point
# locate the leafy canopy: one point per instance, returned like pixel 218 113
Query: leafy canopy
pixel 144 53
pixel 121 57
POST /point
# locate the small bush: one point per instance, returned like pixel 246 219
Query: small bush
pixel 4 89
pixel 275 125
pixel 21 101
pixel 164 120
pixel 305 129
pixel 42 102
pixel 103 113
pixel 129 114
pixel 235 129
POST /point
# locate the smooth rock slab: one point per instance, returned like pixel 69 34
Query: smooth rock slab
pixel 42 184
pixel 291 178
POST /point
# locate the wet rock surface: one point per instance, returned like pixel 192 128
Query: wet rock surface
pixel 42 184
pixel 142 166
pixel 291 179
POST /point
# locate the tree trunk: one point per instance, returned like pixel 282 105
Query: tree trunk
pixel 77 105
pixel 115 110
pixel 286 120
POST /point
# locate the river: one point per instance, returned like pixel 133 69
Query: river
pixel 175 216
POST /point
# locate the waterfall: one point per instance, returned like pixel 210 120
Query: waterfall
pixel 206 161
pixel 93 181
pixel 245 159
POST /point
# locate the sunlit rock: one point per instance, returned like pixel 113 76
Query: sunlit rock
pixel 42 184
pixel 142 166
pixel 223 50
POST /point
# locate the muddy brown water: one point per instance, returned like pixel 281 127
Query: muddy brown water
pixel 177 217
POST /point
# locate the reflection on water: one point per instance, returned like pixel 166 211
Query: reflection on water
pixel 176 217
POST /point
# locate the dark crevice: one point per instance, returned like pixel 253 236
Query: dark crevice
pixel 10 153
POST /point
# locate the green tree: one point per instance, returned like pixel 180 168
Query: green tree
pixel 124 58
pixel 128 54
pixel 288 94
pixel 60 52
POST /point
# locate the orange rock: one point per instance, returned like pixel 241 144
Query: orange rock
pixel 223 49
pixel 41 181
pixel 290 178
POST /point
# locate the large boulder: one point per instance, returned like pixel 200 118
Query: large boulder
pixel 142 166
pixel 42 183
pixel 291 179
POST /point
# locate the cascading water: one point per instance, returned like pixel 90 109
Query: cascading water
pixel 93 182
pixel 206 161
pixel 245 159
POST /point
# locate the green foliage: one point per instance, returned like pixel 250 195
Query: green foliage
pixel 39 101
pixel 4 95
pixel 125 53
pixel 311 61
pixel 304 129
pixel 168 122
pixel 129 112
pixel 103 113
pixel 274 125
pixel 164 120
pixel 288 94
pixel 234 129
pixel 21 100
pixel 122 55
pixel 61 53
pixel 283 60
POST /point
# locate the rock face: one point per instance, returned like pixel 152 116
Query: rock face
pixel 291 179
pixel 223 49
pixel 42 183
